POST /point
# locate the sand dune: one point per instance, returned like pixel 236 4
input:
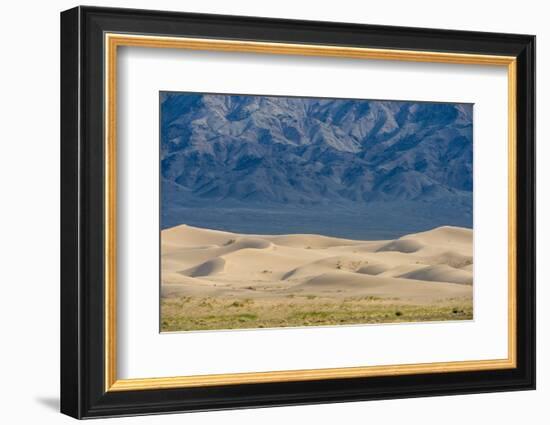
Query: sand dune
pixel 373 269
pixel 405 246
pixel 380 287
pixel 431 265
pixel 208 268
pixel 440 273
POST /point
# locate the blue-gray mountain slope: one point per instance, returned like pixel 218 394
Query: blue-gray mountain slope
pixel 407 165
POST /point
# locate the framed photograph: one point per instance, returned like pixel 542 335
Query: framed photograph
pixel 261 212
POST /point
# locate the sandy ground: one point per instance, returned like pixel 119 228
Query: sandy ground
pixel 208 274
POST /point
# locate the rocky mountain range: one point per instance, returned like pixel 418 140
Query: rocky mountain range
pixel 231 150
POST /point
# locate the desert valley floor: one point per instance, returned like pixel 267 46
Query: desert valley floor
pixel 219 280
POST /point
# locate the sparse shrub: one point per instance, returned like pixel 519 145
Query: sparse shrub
pixel 247 317
pixel 205 302
pixel 370 298
pixel 398 313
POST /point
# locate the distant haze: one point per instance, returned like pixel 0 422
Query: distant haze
pixel 364 169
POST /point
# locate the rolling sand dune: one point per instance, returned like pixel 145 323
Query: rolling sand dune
pixel 208 268
pixel 440 273
pixel 428 265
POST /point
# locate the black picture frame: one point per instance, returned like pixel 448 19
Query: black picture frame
pixel 83 392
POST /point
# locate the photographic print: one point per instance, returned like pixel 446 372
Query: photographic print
pixel 281 211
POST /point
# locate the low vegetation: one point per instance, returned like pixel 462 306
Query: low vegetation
pixel 208 313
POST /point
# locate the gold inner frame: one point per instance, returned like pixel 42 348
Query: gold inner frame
pixel 113 41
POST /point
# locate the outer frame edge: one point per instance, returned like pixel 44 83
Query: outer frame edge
pixel 70 348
